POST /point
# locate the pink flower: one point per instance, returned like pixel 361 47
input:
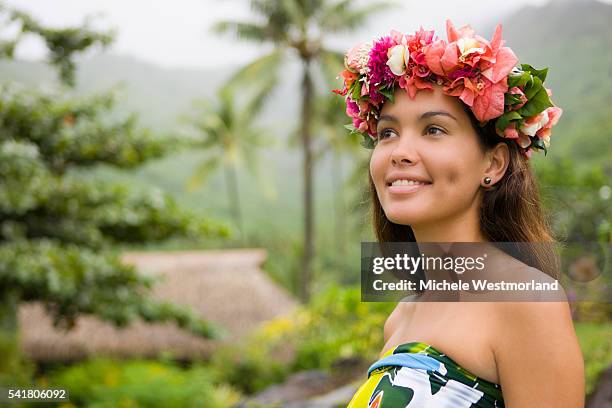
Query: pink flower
pixel 398 37
pixel 414 83
pixel 518 91
pixel 510 132
pixel 553 114
pixel 489 104
pixel 349 77
pixel 362 115
pixel 379 72
pixel 352 109
pixel 359 124
pixel 534 123
pixel 478 69
pixel 376 98
pixel 494 61
pixel 433 56
pixel 466 65
pixel 524 141
pixel 365 88
pixel 417 43
pixel 357 58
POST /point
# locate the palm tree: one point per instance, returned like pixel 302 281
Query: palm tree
pixel 299 27
pixel 335 142
pixel 226 130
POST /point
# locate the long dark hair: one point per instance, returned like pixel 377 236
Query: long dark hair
pixel 511 212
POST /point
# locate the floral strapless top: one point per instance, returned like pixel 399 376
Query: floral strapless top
pixel 416 375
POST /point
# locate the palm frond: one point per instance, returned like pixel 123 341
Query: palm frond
pixel 263 179
pixel 202 172
pixel 295 12
pixel 256 103
pixel 343 16
pixel 276 16
pixel 331 63
pixel 261 73
pixel 245 31
pixel 311 7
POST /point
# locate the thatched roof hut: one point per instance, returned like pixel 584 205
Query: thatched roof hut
pixel 226 287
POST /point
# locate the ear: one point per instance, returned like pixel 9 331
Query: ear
pixel 497 160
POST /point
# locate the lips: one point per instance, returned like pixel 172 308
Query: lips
pixel 407 189
pixel 401 183
pixel 406 178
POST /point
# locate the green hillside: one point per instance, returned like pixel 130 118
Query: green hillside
pixel 574 39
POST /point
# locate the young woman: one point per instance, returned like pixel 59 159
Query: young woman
pixel 452 125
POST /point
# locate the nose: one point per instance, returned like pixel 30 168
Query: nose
pixel 404 152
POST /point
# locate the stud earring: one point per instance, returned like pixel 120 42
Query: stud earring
pixel 487 180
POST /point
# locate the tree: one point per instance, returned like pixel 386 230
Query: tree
pixel 58 229
pixel 335 142
pixel 299 26
pixel 226 130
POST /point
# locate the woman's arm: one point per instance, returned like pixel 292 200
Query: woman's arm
pixel 538 357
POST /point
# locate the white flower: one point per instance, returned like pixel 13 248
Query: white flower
pixel 356 59
pixel 398 59
pixel 531 126
pixel 469 46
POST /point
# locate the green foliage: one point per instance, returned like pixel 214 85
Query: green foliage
pixel 333 326
pixel 71 280
pixel 76 131
pixel 572 196
pixel 596 349
pixel 62 43
pixel 249 369
pixel 226 130
pixel 583 131
pixel 54 223
pixel 336 325
pixel 531 81
pixel 57 229
pixel 106 383
pixel 300 27
pixel 37 203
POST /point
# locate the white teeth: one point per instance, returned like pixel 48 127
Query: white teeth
pixel 403 182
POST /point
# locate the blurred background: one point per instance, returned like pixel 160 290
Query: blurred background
pixel 181 208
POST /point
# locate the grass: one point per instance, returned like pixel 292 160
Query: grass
pixel 596 345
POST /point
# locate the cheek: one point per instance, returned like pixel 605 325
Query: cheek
pixel 456 171
pixel 453 177
pixel 377 166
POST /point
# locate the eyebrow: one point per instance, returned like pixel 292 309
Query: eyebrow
pixel 425 115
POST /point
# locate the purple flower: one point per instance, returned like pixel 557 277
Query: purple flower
pixel 379 72
pixel 352 109
pixel 462 73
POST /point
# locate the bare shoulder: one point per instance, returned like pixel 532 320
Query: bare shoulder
pixel 537 354
pixel 402 311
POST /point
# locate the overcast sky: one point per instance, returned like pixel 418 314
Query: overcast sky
pixel 176 33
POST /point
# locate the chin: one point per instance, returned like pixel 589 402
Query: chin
pixel 404 216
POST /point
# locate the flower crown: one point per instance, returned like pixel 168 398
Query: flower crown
pixel 482 74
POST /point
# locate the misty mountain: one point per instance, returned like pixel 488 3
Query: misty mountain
pixel 573 38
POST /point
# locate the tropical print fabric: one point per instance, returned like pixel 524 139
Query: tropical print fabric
pixel 416 375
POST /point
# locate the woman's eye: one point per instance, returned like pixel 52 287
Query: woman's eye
pixel 434 130
pixel 383 134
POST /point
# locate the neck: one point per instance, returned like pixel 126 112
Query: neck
pixel 464 228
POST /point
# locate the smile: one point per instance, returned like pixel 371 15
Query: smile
pixel 404 186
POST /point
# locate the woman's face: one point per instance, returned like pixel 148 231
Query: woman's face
pixel 427 165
